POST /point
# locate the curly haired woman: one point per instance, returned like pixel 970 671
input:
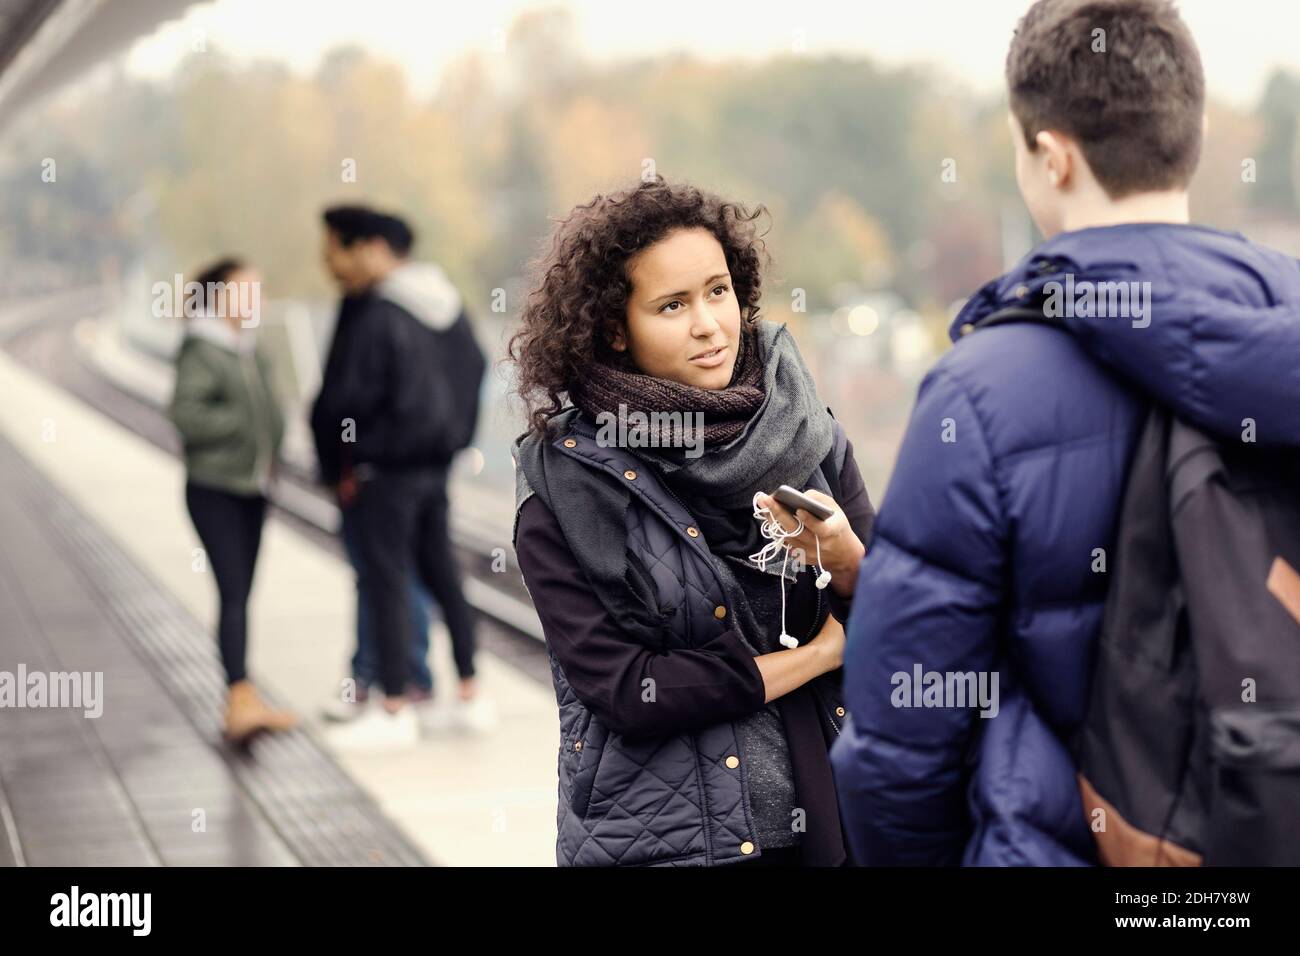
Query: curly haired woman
pixel 696 661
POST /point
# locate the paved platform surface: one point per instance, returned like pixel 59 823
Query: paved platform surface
pixel 96 574
pixel 135 773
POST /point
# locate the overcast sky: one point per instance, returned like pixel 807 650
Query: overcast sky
pixel 1241 40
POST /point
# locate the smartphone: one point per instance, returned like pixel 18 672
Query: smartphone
pixel 797 499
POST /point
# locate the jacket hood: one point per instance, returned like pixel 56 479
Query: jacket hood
pixel 1205 322
pixel 214 329
pixel 422 289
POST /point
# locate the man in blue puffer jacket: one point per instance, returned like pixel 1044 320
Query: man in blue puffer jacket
pixel 988 557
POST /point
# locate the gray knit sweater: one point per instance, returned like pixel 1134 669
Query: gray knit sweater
pixel 757 599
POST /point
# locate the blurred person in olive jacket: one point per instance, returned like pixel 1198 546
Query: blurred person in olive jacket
pixel 230 425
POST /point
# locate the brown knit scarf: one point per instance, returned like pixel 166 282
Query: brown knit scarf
pixel 619 392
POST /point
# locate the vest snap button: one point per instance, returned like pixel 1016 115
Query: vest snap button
pixel 577 745
pixel 733 762
pixel 630 475
pixel 1021 291
pixel 967 328
pixel 570 443
pixel 747 848
pixel 839 711
pixel 720 612
pixel 693 531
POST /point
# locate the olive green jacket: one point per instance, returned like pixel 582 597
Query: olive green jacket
pixel 225 409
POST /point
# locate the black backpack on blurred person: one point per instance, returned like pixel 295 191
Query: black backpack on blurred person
pixel 443 363
pixel 463 366
pixel 1190 750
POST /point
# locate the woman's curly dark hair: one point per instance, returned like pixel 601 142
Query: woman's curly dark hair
pixel 581 287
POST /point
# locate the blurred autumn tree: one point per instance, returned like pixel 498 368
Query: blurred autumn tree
pixel 848 157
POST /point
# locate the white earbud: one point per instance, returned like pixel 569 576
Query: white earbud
pixel 777 541
pixel 824 578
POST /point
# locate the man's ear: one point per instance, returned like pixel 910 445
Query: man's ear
pixel 1058 155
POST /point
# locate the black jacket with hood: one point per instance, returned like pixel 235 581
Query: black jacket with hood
pixel 384 400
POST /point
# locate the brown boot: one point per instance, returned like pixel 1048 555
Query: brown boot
pixel 247 713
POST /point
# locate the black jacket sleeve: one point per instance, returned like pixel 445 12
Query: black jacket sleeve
pixel 357 377
pixel 607 670
pixel 857 507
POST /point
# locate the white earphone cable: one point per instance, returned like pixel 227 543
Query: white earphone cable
pixel 778 540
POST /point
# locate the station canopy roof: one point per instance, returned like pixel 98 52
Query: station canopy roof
pixel 46 43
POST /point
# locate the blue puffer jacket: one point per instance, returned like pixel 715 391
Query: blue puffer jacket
pixel 1008 481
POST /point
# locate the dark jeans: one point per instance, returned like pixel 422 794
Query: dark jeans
pixel 402 531
pixel 230 527
pixel 365 662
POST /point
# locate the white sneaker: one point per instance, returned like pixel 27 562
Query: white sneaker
pixel 476 715
pixel 378 731
pixel 339 711
pixel 431 714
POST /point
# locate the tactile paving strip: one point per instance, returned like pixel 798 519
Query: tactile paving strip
pixel 319 812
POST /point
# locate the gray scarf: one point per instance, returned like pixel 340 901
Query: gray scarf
pixel 783 443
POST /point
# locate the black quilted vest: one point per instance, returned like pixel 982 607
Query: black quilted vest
pixel 665 801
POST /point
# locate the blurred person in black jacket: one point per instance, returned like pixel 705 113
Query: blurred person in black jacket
pixel 398 398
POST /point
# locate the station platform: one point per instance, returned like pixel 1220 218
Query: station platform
pixel 96 575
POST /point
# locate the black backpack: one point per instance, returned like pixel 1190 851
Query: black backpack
pixel 1190 750
pixel 461 367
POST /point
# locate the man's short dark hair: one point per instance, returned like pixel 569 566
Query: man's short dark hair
pixel 353 223
pixel 1123 78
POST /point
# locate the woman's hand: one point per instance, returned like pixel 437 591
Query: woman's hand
pixel 347 490
pixel 830 643
pixel 841 550
pixel 785 671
